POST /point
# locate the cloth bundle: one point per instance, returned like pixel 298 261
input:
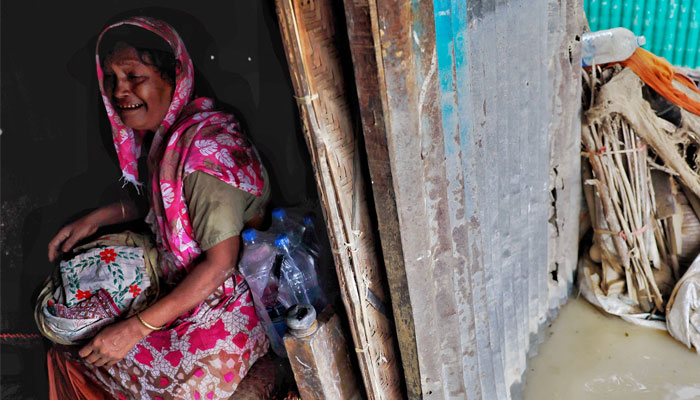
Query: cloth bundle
pixel 683 312
pixel 94 288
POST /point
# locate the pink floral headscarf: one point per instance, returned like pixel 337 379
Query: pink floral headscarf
pixel 191 137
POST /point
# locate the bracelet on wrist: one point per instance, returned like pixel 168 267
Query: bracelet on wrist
pixel 123 213
pixel 147 325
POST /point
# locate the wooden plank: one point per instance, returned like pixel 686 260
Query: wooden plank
pixel 363 49
pixel 664 194
pixel 309 37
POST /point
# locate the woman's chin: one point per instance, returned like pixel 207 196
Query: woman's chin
pixel 133 122
pixel 139 120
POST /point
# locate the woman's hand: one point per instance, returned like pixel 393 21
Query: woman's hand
pixel 113 342
pixel 71 234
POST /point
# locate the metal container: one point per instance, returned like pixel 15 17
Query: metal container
pixel 318 353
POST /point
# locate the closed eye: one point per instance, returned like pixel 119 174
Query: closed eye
pixel 137 78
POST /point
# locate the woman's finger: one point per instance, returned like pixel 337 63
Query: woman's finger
pixel 70 242
pixel 85 351
pixel 111 363
pixel 93 357
pixel 62 235
pixel 102 361
pixel 81 230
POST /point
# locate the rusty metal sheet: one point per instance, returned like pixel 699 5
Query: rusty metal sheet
pixel 479 105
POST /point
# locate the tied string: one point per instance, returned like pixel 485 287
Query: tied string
pixel 622 233
pixel 604 151
pixel 18 336
pixel 306 99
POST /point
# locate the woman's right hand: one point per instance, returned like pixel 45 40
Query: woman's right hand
pixel 71 234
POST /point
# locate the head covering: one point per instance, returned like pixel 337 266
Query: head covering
pixel 191 137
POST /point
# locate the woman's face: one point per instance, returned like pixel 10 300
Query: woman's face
pixel 139 94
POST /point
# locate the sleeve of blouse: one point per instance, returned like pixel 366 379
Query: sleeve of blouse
pixel 215 208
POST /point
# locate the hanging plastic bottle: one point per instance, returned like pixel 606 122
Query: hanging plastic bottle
pixel 610 45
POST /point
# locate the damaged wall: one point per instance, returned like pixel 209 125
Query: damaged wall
pixel 477 103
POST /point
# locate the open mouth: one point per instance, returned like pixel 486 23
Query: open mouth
pixel 129 107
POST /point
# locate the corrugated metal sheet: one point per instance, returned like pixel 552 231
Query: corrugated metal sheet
pixel 671 27
pixel 480 103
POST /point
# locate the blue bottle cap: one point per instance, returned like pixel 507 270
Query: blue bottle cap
pixel 249 235
pixel 282 241
pixel 278 213
pixel 308 221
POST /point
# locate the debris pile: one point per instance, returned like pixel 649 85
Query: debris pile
pixel 641 174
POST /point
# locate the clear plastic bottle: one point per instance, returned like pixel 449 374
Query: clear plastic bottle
pixel 307 265
pixel 283 224
pixel 309 239
pixel 610 45
pixel 292 289
pixel 256 265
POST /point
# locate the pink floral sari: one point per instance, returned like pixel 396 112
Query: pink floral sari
pixel 205 353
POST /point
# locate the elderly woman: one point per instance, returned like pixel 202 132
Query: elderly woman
pixel 204 183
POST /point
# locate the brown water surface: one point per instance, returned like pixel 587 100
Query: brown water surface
pixel 588 355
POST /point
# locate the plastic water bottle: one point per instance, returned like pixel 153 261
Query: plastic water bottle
pixel 256 265
pixel 306 263
pixel 610 45
pixel 292 288
pixel 309 239
pixel 282 224
pixel 307 281
pixel 308 257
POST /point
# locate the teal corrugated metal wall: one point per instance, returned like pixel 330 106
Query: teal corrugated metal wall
pixel 479 99
pixel 671 27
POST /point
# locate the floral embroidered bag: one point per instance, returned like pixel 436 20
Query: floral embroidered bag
pixel 92 289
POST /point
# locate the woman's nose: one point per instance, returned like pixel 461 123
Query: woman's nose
pixel 122 88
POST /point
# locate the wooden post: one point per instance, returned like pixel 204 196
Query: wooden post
pixel 309 31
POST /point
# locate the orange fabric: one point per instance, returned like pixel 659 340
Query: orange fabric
pixel 658 73
pixel 66 382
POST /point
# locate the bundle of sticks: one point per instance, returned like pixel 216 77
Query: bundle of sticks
pixel 633 185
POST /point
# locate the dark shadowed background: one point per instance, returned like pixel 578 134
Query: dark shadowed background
pixel 57 158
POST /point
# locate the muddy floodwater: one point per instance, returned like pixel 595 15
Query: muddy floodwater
pixel 588 355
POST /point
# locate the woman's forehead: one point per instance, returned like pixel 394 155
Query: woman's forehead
pixel 123 55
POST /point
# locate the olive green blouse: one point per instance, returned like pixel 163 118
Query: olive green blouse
pixel 218 210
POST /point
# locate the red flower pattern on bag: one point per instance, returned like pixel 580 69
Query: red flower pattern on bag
pixel 108 255
pixel 83 294
pixel 134 289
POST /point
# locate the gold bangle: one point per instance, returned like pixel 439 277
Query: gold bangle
pixel 123 214
pixel 147 325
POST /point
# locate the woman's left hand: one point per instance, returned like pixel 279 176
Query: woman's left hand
pixel 113 343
